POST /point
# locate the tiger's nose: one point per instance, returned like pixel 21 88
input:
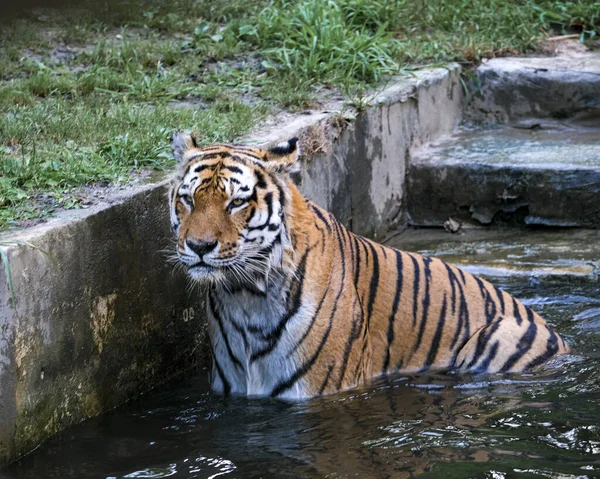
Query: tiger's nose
pixel 201 247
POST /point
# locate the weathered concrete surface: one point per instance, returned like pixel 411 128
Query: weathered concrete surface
pixel 357 168
pixel 567 255
pixel 97 317
pixel 547 175
pixel 101 317
pixel 508 89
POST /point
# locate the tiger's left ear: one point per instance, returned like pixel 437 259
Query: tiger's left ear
pixel 283 157
pixel 181 143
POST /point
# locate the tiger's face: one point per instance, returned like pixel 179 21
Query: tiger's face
pixel 228 206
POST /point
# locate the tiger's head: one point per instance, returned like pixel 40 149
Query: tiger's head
pixel 228 205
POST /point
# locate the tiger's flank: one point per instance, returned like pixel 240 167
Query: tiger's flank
pixel 298 306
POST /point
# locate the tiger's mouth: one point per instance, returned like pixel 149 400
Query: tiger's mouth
pixel 202 271
pixel 201 266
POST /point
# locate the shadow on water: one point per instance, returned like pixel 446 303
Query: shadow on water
pixel 531 425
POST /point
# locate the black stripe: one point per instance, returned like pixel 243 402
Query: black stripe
pixel 435 343
pixel 551 350
pixel 282 200
pixel 488 303
pixel 269 200
pixel 483 340
pixel 357 264
pixel 425 301
pixel 280 149
pixel 483 367
pixel 193 157
pixel 523 347
pixel 243 161
pixel 416 281
pixel 399 365
pixel 313 319
pixel 224 382
pixel 260 180
pixel 500 295
pixel 392 318
pixel 300 372
pixel 372 297
pixel 451 279
pixel 216 147
pixel 374 282
pixel 218 154
pixel 361 241
pixel 463 312
pixel 251 151
pixel 241 331
pixel 350 241
pixel 216 315
pixel 529 313
pixel 355 328
pixel 233 169
pixel 516 312
pixel 320 215
pixel 272 338
pixel 203 167
pixel 327 376
pixel 353 336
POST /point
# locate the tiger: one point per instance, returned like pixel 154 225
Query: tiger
pixel 298 306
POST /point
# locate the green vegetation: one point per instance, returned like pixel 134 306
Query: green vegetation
pixel 89 94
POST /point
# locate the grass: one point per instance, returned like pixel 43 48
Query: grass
pixel 87 92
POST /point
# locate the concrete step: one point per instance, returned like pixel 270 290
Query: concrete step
pixel 512 254
pixel 535 172
pixel 505 90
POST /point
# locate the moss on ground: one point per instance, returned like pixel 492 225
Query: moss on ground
pixel 90 93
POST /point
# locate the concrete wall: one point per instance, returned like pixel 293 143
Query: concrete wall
pixel 95 319
pixel 98 316
pixel 360 176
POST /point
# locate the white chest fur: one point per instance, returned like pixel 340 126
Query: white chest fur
pixel 254 339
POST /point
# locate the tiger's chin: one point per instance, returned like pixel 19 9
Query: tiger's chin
pixel 205 273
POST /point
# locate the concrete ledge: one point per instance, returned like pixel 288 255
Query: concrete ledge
pixel 509 89
pixel 546 176
pixel 489 193
pixel 99 317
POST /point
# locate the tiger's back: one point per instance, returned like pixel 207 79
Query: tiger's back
pixel 411 313
pixel 299 306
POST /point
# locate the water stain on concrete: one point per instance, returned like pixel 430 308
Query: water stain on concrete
pixel 102 318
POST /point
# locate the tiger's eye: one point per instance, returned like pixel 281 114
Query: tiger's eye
pixel 237 202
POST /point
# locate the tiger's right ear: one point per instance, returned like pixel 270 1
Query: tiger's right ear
pixel 283 157
pixel 180 143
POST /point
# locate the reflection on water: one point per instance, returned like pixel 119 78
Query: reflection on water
pixel 544 425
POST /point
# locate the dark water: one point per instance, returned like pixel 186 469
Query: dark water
pixel 531 426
